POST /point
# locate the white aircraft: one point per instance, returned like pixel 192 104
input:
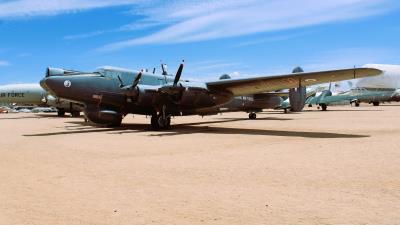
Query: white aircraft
pixel 35 95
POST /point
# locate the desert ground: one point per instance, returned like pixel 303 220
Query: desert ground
pixel 336 167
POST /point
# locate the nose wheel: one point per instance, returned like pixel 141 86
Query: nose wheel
pixel 252 116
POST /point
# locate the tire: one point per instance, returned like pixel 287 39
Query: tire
pixel 164 124
pixel 357 104
pixel 376 103
pixel 324 107
pixel 252 116
pixel 60 112
pixel 75 114
pixel 154 122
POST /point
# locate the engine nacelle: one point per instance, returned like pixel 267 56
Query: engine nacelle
pixel 104 117
pixel 297 98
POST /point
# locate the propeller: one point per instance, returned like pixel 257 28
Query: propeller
pixel 121 83
pixel 134 83
pixel 179 74
pixel 164 69
pixel 128 90
pixel 137 80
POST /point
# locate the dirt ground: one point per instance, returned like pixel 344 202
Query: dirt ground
pixel 336 167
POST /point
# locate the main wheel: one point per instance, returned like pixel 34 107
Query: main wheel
pixel 324 107
pixel 60 112
pixel 375 103
pixel 252 116
pixel 357 104
pixel 75 114
pixel 154 122
pixel 164 123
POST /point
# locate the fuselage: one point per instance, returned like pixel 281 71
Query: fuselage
pixel 33 95
pixel 102 91
pixel 29 94
pixel 390 78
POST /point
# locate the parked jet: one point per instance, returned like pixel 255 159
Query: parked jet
pixel 109 94
pixel 372 90
pixel 33 94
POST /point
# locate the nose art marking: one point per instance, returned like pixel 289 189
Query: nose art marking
pixel 67 83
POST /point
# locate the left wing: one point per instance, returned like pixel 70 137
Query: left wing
pixel 256 85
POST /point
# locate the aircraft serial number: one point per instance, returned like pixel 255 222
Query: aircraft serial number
pixel 12 95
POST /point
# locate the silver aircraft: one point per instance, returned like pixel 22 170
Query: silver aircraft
pixel 110 93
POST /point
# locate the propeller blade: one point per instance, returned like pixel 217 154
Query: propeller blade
pixel 164 69
pixel 137 80
pixel 179 74
pixel 121 83
pixel 48 72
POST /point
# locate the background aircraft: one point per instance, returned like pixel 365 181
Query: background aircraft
pixel 373 90
pixel 34 95
pixel 109 93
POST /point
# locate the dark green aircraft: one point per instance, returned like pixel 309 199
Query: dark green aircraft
pixel 109 94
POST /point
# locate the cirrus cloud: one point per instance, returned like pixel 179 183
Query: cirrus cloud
pixel 209 20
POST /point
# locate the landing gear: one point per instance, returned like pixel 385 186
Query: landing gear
pixel 252 116
pixel 158 122
pixel 357 104
pixel 375 103
pixel 75 114
pixel 285 110
pixel 161 121
pixel 60 112
pixel 324 107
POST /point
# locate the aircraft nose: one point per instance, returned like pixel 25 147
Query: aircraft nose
pixel 55 85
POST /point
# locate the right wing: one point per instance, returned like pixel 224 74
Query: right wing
pixel 248 86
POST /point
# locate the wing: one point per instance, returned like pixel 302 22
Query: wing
pixel 255 85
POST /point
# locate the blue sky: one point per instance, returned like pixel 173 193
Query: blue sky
pixel 242 37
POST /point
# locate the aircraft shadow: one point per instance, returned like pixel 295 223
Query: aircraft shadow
pixel 20 118
pixel 191 128
pixel 344 110
pixel 36 116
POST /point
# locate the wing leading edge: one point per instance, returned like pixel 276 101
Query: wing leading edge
pixel 256 85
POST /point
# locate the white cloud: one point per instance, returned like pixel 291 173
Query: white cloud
pixel 23 8
pixel 139 25
pixel 4 63
pixel 191 20
pixel 271 39
pixel 208 20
